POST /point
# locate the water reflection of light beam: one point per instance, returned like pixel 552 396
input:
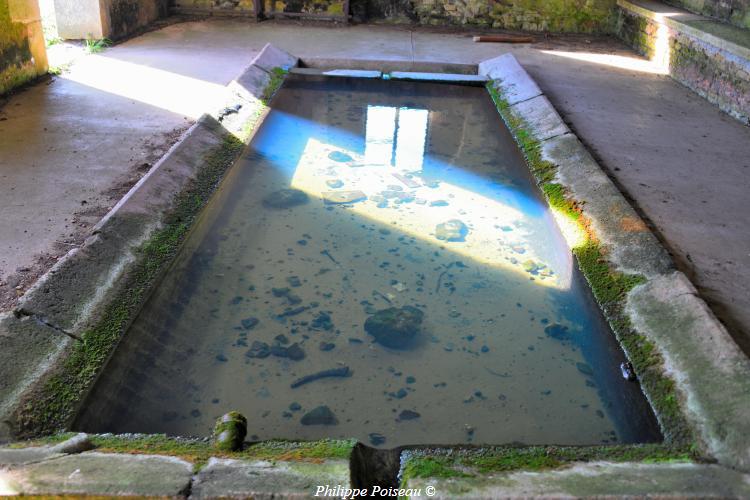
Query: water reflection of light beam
pixel 486 242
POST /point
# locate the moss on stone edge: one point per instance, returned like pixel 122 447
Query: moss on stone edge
pixel 474 462
pixel 609 286
pixel 277 78
pixel 198 451
pixel 53 406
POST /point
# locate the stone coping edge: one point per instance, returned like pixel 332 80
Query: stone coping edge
pixel 72 297
pixel 711 374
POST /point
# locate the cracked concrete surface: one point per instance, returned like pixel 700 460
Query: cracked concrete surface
pixel 682 161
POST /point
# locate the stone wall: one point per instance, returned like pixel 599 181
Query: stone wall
pixel 123 17
pixel 309 8
pixel 215 6
pixel 113 19
pixel 736 12
pixel 712 72
pixel 580 16
pixel 22 51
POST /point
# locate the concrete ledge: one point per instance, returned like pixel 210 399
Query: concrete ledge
pixel 438 77
pixel 686 22
pixel 264 479
pixel 632 247
pixel 709 57
pixel 542 117
pixel 510 77
pixel 346 73
pixel 271 57
pixel 71 298
pixel 100 474
pixel 596 479
pixel 388 65
pixel 711 374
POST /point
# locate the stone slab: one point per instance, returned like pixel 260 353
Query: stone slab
pixel 598 479
pixel 350 73
pixel 539 114
pixel 510 77
pixel 438 77
pixel 712 373
pixel 72 294
pixel 28 348
pixel 251 83
pixel 388 65
pixel 14 457
pixel 353 73
pixel 263 479
pixel 734 40
pixel 272 57
pixel 632 247
pixel 95 473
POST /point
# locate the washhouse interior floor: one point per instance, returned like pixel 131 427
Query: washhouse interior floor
pixel 72 145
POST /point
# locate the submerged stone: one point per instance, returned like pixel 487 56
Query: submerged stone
pixel 249 323
pixel 408 415
pixel 376 439
pixel 337 197
pixel 339 156
pixel 584 368
pixel 557 331
pixel 285 198
pixel 230 431
pixel 395 327
pixel 334 183
pixel 322 415
pixel 452 230
pixel 258 349
pixel 327 346
pixel 293 352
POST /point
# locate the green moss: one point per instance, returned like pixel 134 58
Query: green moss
pixel 53 407
pixel 432 466
pixel 277 78
pixel 446 463
pixel 16 64
pixel 609 286
pixel 199 451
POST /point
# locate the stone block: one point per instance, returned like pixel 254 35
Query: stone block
pixel 263 479
pixel 508 75
pixel 101 474
pixel 539 114
pixel 272 57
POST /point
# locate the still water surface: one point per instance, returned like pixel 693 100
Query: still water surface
pixel 357 196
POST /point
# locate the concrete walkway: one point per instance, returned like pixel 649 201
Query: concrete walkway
pixel 683 162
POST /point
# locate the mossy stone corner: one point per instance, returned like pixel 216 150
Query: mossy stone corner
pixel 230 431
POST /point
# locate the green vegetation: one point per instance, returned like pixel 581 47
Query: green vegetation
pixel 277 78
pixel 445 463
pixel 198 451
pixel 52 406
pixel 609 286
pixel 55 404
pixel 94 46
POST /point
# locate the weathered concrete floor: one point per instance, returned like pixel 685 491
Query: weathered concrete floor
pixel 683 162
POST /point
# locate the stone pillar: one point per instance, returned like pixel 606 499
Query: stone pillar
pixel 21 43
pixel 79 19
